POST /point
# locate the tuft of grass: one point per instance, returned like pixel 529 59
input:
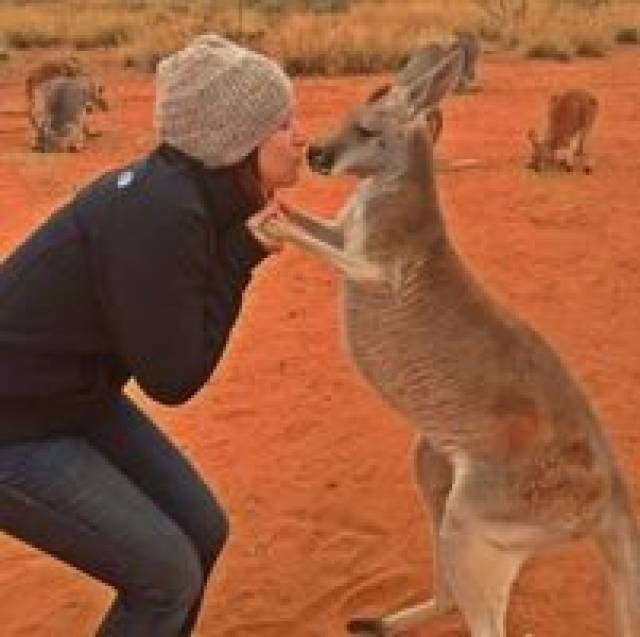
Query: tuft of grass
pixel 551 48
pixel 592 47
pixel 627 35
pixel 147 62
pixel 109 37
pixel 320 36
pixel 32 39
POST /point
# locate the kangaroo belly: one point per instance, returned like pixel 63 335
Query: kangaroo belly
pixel 470 382
pixel 395 351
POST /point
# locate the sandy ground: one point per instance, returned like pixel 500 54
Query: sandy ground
pixel 314 472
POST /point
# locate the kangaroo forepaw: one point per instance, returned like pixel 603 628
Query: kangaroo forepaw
pixel 367 627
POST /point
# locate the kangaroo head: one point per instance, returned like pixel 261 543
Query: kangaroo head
pixel 376 138
pixel 95 96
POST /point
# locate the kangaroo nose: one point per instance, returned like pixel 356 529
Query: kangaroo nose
pixel 320 159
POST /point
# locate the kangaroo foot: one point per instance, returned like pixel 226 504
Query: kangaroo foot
pixel 367 627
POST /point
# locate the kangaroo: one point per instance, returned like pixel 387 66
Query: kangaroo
pixel 35 90
pixel 570 120
pixel 470 45
pixel 511 457
pixel 64 67
pixel 59 115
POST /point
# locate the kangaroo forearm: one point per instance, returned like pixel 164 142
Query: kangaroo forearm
pixel 326 231
pixel 353 267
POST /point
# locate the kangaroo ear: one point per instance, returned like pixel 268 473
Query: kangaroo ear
pixel 429 89
pixel 532 136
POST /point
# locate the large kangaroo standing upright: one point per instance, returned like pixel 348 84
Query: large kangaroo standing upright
pixel 511 456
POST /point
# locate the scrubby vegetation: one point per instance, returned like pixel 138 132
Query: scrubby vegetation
pixel 321 36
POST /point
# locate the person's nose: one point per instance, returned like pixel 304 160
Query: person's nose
pixel 299 136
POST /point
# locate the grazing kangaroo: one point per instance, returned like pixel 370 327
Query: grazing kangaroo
pixel 570 120
pixel 59 114
pixel 511 457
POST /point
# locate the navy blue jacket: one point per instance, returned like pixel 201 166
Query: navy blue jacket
pixel 140 275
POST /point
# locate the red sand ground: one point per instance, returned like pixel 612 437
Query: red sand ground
pixel 314 472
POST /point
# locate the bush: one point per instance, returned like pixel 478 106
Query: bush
pixel 328 6
pixel 103 38
pixel 550 48
pixel 593 48
pixel 32 39
pixel 628 35
pixel 146 61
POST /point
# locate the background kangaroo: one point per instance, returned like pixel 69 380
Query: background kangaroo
pixel 59 112
pixel 41 94
pixel 570 119
pixel 69 66
pixel 510 455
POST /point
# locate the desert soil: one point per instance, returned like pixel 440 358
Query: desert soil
pixel 314 472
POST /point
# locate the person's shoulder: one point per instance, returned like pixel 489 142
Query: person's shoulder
pixel 153 181
pixel 149 182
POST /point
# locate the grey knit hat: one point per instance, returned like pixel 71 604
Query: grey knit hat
pixel 217 101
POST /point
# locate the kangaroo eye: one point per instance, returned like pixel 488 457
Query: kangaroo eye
pixel 363 131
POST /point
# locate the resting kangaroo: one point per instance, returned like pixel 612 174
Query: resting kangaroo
pixel 510 455
pixel 570 121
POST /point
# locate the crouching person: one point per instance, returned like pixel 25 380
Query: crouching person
pixel 141 275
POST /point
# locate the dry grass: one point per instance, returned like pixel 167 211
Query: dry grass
pixel 339 36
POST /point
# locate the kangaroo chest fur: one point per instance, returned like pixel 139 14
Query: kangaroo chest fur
pixel 436 347
pixel 411 337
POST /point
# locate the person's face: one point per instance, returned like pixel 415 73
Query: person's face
pixel 281 155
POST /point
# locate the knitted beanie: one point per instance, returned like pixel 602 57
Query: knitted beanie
pixel 217 101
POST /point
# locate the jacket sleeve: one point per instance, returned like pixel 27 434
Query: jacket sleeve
pixel 173 290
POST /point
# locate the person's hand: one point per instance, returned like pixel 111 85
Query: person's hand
pixel 256 224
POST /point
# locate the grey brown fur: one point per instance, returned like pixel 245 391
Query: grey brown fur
pixel 69 66
pixel 60 107
pixel 511 457
pixel 429 56
pixel 54 91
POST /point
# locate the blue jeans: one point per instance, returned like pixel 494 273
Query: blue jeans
pixel 122 504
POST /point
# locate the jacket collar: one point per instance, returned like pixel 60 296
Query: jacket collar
pixel 226 201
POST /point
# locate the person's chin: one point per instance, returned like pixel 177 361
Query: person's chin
pixel 291 179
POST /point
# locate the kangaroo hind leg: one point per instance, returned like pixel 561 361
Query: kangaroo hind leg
pixel 434 475
pixel 480 558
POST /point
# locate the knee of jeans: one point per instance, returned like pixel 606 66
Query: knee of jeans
pixel 212 538
pixel 177 577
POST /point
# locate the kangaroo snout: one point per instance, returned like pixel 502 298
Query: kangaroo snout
pixel 320 159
